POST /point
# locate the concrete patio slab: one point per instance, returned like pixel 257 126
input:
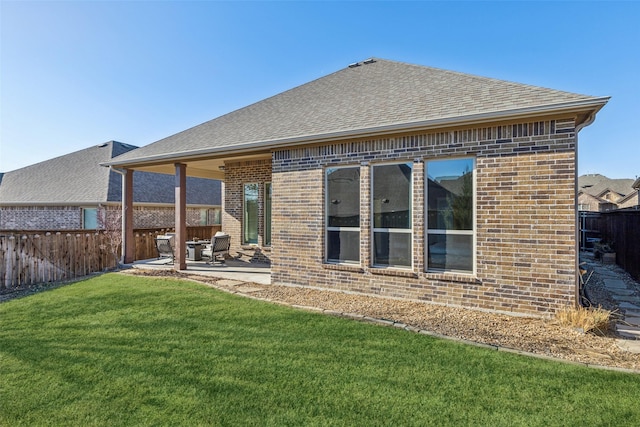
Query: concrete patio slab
pixel 232 269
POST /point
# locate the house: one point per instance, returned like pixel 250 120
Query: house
pixel 399 180
pixel 597 193
pixel 66 193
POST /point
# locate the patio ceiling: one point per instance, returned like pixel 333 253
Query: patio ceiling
pixel 201 167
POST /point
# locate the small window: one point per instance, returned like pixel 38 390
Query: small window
pixel 342 239
pixel 216 215
pixel 450 215
pixel 391 210
pixel 267 214
pixel 250 218
pixel 89 218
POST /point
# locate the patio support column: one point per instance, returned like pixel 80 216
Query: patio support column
pixel 128 243
pixel 181 217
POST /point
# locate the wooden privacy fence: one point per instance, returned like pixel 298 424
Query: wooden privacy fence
pixel 621 230
pixel 29 258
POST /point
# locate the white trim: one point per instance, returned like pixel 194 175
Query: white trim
pixel 374 230
pixel 244 206
pixel 445 232
pixel 325 216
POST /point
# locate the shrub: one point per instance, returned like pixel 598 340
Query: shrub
pixel 588 319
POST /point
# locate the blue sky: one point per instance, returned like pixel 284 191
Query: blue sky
pixel 77 73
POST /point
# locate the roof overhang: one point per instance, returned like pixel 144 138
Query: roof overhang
pixel 583 110
pixel 97 204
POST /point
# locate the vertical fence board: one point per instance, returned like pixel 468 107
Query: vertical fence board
pixel 30 258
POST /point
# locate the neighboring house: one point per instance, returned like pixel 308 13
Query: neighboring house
pixel 66 193
pixel 399 180
pixel 597 193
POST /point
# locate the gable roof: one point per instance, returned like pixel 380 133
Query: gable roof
pixel 371 97
pixel 597 185
pixel 77 178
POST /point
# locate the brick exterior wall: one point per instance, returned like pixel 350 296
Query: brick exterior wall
pixel 70 217
pixel 525 216
pixel 153 217
pixel 40 218
pixel 236 175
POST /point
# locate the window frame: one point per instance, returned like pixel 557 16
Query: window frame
pixel 328 228
pixel 95 212
pixel 268 195
pixel 375 230
pixel 474 215
pixel 244 214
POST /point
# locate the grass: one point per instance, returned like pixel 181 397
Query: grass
pixel 121 350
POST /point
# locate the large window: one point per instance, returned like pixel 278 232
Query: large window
pixel 250 217
pixel 267 214
pixel 450 215
pixel 391 211
pixel 343 214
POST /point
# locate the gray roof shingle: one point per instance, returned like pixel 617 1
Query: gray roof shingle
pixel 77 178
pixel 596 184
pixel 377 94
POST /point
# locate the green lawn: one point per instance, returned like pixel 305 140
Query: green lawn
pixel 122 350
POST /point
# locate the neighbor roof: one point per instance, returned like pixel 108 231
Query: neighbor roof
pixel 77 178
pixel 371 97
pixel 596 185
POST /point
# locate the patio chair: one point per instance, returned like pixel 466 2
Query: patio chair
pixel 164 246
pixel 220 244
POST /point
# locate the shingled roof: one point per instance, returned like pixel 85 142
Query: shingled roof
pixel 596 184
pixel 371 97
pixel 77 178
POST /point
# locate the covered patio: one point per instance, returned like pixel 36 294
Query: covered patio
pixel 229 168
